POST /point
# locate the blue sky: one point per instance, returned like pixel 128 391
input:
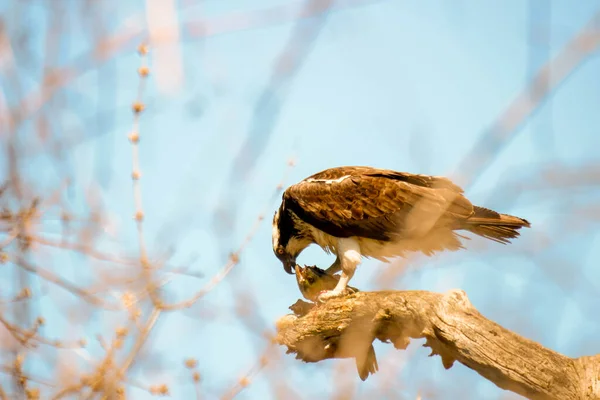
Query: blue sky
pixel 402 85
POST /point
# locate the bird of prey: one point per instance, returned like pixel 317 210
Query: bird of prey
pixel 357 212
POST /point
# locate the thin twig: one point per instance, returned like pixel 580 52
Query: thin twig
pixel 83 249
pixel 68 286
pixel 233 258
pixel 246 379
pixel 144 332
pixel 23 336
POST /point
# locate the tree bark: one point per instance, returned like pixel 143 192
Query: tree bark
pixel 453 329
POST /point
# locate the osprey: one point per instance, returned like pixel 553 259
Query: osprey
pixel 357 212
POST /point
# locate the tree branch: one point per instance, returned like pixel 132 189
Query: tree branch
pixel 453 329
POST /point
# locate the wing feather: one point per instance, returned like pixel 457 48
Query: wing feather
pixel 375 203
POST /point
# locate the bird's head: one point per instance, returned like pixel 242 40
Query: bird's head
pixel 288 240
pixel 313 280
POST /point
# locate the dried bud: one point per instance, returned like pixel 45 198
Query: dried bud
pixel 122 332
pixel 234 257
pixel 3 257
pixel 196 376
pixel 136 314
pixel 128 299
pixel 32 393
pixel 138 107
pixel 162 390
pixel 134 137
pixel 139 216
pixel 135 175
pixel 244 381
pixel 191 363
pixel 143 71
pixel 143 49
pixel 40 321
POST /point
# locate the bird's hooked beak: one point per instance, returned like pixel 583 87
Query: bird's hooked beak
pixel 289 264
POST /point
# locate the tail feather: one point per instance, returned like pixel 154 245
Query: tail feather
pixel 495 226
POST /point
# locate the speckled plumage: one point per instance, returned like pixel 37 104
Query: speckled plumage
pixel 381 214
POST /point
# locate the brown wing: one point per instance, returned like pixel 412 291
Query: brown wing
pixel 377 204
pixel 435 182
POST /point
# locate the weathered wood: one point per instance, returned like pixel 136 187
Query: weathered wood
pixel 453 329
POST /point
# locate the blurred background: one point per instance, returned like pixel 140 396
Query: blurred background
pixel 145 146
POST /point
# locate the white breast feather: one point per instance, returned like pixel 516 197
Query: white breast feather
pixel 382 251
pixel 326 241
pixel 275 229
pixel 370 248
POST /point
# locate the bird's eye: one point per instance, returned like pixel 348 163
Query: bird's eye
pixel 280 250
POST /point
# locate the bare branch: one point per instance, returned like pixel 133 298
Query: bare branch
pixel 453 329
